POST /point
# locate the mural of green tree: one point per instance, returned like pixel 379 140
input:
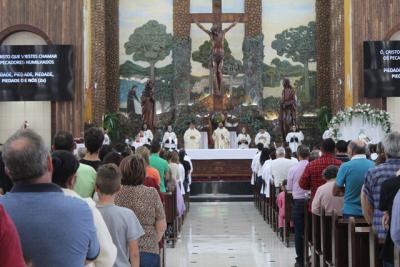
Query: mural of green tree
pixel 149 43
pixel 298 44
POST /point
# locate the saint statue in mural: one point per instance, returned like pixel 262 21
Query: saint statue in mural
pixel 287 117
pixel 148 105
pixel 217 36
pixel 133 101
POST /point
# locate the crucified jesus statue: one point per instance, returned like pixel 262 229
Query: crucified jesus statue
pixel 217 36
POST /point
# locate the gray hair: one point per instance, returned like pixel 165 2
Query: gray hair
pixel 280 152
pixel 303 152
pixel 25 156
pixel 391 143
pixel 358 147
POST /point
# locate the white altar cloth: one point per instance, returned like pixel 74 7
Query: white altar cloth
pixel 210 154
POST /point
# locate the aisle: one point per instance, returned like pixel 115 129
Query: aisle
pixel 219 234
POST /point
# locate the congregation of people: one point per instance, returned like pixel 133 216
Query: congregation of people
pixel 348 178
pixel 102 205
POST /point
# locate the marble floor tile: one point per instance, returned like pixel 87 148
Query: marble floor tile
pixel 227 234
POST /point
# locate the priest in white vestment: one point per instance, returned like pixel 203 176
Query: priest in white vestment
pixel 170 141
pixel 221 137
pixel 294 138
pixel 192 137
pixel 243 139
pixel 263 137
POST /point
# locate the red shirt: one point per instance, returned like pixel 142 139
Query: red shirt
pixel 312 176
pixel 10 245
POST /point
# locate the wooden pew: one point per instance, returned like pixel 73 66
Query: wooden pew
pixel 171 215
pixel 326 242
pixel 396 257
pixel 287 229
pixel 272 206
pixel 375 247
pixel 307 234
pixel 316 240
pixel 358 244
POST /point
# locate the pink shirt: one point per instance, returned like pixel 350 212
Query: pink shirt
pixel 280 202
pixel 324 198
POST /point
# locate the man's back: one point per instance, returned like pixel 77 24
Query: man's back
pixel 55 230
pixel 280 168
pixel 162 166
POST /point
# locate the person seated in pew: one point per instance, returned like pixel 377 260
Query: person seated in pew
pixel 374 178
pixel 122 223
pixel 395 221
pixel 324 196
pixel 299 195
pixel 350 178
pixel 389 190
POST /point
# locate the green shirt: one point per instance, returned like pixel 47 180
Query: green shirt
pixel 85 180
pixel 162 166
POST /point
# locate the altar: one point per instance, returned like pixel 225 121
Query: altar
pixel 221 172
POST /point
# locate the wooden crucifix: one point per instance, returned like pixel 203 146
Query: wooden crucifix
pixel 217 36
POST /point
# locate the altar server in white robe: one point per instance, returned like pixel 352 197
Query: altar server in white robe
pixel 256 158
pixel 170 141
pixel 244 139
pixel 192 137
pixel 263 137
pixel 148 134
pixel 221 137
pixel 295 138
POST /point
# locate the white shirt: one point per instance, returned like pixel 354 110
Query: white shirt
pixel 244 138
pixel 172 140
pixel 108 251
pixel 192 139
pixel 266 176
pixel 280 168
pixel 263 138
pixel 256 159
pixel 293 143
pixel 221 138
pixel 148 134
pixel 106 139
pixel 181 177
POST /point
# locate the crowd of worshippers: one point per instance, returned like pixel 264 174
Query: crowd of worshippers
pixel 102 209
pixel 220 136
pixel 353 178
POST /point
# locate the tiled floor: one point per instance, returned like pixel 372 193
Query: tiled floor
pixel 220 234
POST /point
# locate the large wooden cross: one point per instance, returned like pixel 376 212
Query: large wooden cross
pixel 217 17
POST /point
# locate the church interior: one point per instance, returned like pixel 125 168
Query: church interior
pixel 270 130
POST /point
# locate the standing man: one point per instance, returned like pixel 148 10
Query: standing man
pixel 299 195
pixel 160 164
pixel 244 139
pixel 280 167
pixel 192 137
pixel 350 179
pixel 221 137
pixel 262 137
pixel 170 141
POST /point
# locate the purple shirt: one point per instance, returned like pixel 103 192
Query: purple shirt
pixel 293 179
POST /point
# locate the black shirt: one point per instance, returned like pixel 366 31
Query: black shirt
pixel 5 182
pixel 389 190
pixel 93 163
pixel 342 158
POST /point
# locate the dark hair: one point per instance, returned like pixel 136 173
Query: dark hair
pixel 286 83
pixel 284 182
pixel 328 146
pixel 260 146
pixel 330 172
pixel 155 147
pixel 63 141
pixel 104 150
pixel 112 157
pixel 64 166
pixel 341 146
pixel 288 152
pixel 264 155
pixel 303 152
pixel 27 159
pixel 94 138
pixel 181 155
pixel 272 153
pixel 108 179
pixel 133 170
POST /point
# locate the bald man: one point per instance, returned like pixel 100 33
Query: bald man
pixel 351 176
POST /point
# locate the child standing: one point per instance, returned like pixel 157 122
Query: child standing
pixel 280 202
pixel 122 223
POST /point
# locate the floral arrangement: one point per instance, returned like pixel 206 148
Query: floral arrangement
pixel 372 115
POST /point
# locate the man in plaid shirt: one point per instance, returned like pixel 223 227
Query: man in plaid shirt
pixel 373 181
pixel 312 176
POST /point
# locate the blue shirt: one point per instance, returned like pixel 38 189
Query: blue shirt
pixel 351 176
pixel 395 222
pixel 372 189
pixel 55 230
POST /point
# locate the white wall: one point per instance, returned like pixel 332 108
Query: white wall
pixel 393 103
pixel 14 114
